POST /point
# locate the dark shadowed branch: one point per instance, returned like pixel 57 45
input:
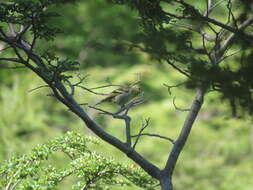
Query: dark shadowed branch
pixel 186 129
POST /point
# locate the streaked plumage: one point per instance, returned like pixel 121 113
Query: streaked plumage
pixel 122 96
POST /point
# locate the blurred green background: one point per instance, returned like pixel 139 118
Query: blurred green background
pixel 219 153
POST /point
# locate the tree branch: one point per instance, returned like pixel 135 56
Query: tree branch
pixel 124 117
pixel 144 126
pixel 16 60
pixel 177 108
pixel 154 135
pixel 181 140
pixel 231 37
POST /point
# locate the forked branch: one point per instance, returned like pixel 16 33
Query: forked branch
pixel 181 140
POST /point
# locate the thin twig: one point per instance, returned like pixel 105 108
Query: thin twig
pixel 144 126
pixel 231 14
pixel 230 55
pixel 101 110
pixel 177 108
pixel 178 69
pixel 81 79
pixel 106 86
pixel 90 90
pixel 134 102
pixel 39 87
pixel 169 87
pixel 154 135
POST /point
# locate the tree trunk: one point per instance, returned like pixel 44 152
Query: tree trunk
pixel 166 183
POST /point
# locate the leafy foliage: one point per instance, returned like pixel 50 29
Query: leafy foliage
pixel 91 170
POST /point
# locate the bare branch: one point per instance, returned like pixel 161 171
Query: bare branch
pixel 177 108
pixel 144 126
pixel 91 91
pixel 169 87
pixel 132 103
pixel 81 79
pixel 230 55
pixel 108 85
pixel 181 140
pixel 178 69
pixel 127 120
pixel 39 87
pixel 101 110
pixel 124 117
pixel 154 135
pixel 231 14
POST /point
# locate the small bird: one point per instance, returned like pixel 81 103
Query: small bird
pixel 121 96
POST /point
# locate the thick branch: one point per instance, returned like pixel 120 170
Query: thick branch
pixel 180 142
pixel 124 117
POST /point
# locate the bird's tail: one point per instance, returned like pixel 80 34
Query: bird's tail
pixel 107 99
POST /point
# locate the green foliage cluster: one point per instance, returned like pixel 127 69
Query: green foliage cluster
pixel 91 170
pixel 27 12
